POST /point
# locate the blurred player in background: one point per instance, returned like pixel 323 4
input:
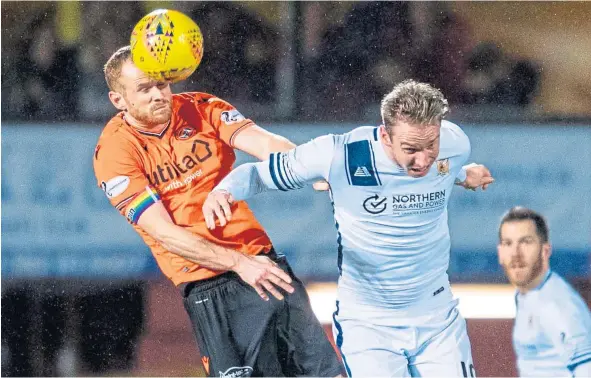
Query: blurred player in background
pixel 552 331
pixel 156 161
pixel 390 185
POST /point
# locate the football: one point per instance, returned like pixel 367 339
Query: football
pixel 166 45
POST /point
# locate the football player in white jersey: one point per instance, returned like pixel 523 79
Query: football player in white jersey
pixel 390 185
pixel 552 330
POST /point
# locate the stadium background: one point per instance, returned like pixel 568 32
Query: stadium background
pixel 81 294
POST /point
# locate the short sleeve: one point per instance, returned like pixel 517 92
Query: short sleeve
pixel 225 119
pixel 123 181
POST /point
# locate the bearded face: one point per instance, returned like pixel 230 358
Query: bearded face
pixel 522 254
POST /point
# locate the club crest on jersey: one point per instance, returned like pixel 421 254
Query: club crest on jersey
pixel 186 133
pixel 443 167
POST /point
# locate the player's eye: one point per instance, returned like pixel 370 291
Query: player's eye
pixel 162 84
pixel 409 151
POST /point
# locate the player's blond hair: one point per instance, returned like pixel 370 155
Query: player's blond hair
pixel 113 66
pixel 415 103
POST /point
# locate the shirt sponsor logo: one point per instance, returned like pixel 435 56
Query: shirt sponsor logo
pixel 375 204
pixel 171 171
pixel 115 186
pixel 406 204
pixel 231 116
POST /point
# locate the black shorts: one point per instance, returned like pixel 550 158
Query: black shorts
pixel 241 335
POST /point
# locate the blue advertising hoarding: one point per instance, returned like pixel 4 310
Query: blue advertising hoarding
pixel 56 222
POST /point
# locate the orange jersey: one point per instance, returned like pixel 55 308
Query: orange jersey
pixel 178 166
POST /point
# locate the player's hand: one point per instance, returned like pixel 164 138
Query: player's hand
pixel 218 204
pixel 321 186
pixel 477 175
pixel 264 275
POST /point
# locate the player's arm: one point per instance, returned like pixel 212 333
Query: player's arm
pixel 474 175
pixel 260 143
pixel 120 175
pixel 258 271
pixel 243 134
pixel 282 171
pixel 471 176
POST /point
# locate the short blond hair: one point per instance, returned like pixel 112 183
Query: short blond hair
pixel 113 66
pixel 414 102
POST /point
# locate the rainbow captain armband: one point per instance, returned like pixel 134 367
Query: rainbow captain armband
pixel 141 202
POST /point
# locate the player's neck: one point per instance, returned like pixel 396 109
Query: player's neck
pixel 536 282
pixel 156 129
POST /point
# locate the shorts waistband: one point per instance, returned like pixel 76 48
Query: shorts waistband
pixel 208 283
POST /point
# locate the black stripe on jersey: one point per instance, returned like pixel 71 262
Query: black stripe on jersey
pixel 273 173
pixel 375 134
pixel 279 168
pixel 286 172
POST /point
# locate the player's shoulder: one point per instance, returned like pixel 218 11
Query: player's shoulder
pixel 115 138
pixel 197 98
pixel 361 133
pixel 560 295
pixel 454 140
pixel 557 287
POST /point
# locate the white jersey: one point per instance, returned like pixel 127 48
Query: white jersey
pixel 552 332
pixel 393 236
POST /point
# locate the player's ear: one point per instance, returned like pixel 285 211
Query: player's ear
pixel 117 100
pixel 385 135
pixel 547 250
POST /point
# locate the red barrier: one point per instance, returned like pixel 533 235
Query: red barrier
pixel 168 347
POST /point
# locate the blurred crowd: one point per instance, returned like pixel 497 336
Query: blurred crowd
pixel 53 55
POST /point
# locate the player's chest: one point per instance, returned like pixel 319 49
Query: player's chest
pixel 529 336
pixel 399 195
pixel 184 159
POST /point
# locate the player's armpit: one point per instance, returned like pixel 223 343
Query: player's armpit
pixel 260 143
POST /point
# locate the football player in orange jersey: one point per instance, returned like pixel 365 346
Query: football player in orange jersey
pixel 156 161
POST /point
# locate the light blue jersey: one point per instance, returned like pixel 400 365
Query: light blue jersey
pixel 395 314
pixel 552 332
pixel 393 236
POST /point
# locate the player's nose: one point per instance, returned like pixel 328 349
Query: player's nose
pixel 423 159
pixel 157 94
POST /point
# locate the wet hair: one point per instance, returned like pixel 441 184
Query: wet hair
pixel 413 102
pixel 113 66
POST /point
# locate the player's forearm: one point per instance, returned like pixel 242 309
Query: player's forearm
pixel 247 181
pixel 196 249
pixel 278 144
